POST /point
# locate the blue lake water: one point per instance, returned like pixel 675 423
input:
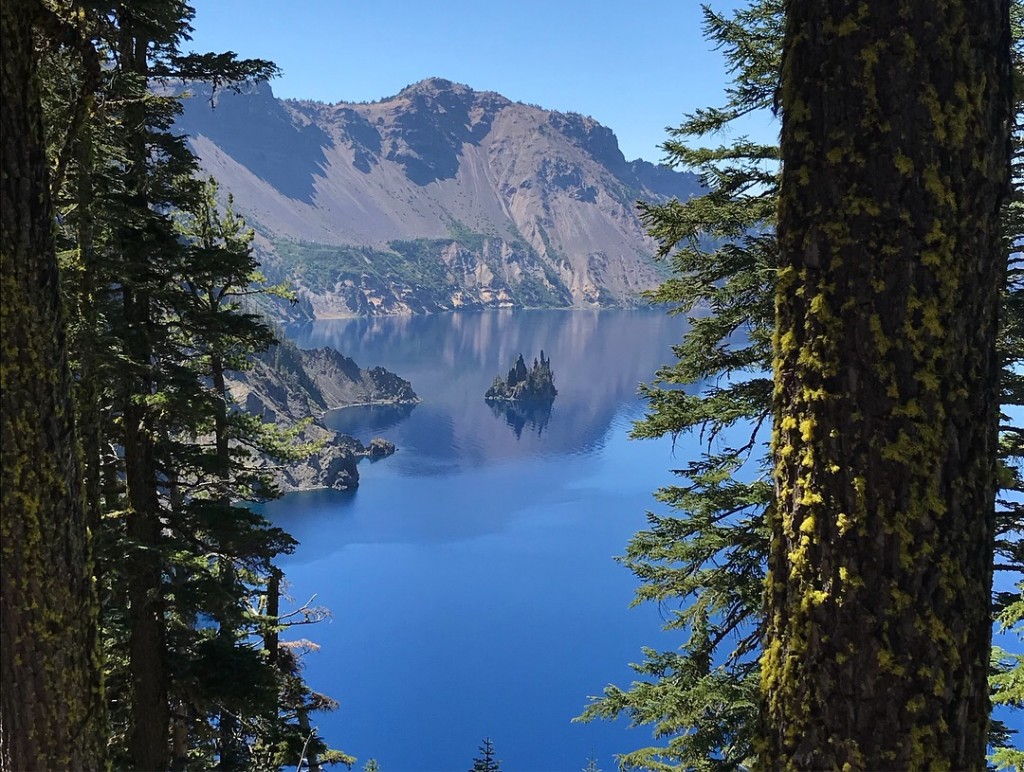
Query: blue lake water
pixel 470 577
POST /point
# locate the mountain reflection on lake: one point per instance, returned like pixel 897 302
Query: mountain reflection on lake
pixel 470 576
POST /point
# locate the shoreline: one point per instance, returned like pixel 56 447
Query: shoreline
pixel 370 404
pixel 336 316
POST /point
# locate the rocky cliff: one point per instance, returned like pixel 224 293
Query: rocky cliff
pixel 340 381
pixel 522 385
pixel 287 385
pixel 439 197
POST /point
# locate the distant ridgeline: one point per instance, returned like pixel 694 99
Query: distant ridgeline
pixel 435 199
pixel 522 385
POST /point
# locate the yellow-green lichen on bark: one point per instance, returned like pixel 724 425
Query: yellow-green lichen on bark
pixel 885 387
pixel 51 714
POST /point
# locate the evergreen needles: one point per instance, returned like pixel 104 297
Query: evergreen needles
pixel 705 563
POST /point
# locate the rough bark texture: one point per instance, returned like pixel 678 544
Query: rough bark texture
pixel 52 707
pixel 150 712
pixel 895 145
pixel 149 735
pixel 88 398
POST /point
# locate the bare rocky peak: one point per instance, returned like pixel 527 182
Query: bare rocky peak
pixel 437 197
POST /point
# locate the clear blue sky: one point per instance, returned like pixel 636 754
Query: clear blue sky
pixel 636 67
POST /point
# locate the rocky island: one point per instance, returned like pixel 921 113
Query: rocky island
pixel 287 385
pixel 522 385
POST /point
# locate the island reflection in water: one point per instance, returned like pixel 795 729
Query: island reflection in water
pixel 470 575
pixel 519 415
pixel 598 359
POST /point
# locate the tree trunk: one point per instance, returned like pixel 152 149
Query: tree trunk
pixel 232 755
pixel 150 713
pixel 271 638
pixel 895 151
pixel 89 389
pixel 181 710
pixel 306 729
pixel 230 748
pixel 52 708
pixel 149 736
pixel 179 737
pixel 220 418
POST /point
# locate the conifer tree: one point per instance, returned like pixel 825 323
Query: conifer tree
pixel 155 276
pixel 156 173
pixel 878 623
pixel 705 563
pixel 51 714
pixel 486 762
pixel 1008 606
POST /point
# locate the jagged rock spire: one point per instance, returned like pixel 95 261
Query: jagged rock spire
pixel 524 385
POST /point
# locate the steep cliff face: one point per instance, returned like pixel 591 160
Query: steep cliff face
pixel 522 385
pixel 341 382
pixel 439 197
pixel 287 385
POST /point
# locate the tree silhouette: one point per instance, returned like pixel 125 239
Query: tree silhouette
pixel 486 762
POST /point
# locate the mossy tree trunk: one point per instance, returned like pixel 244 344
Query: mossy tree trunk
pixel 895 151
pixel 52 708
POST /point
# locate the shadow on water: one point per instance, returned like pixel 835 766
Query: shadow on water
pixel 471 572
pixel 364 422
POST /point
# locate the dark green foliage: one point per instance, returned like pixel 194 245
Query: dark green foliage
pixel 465 236
pixel 486 762
pixel 421 261
pixel 705 564
pixel 1008 607
pixel 158 278
pixel 534 291
pixel 320 266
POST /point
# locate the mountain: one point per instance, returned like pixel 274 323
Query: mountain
pixel 439 197
pixel 287 385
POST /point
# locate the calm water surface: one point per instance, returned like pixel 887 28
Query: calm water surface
pixel 470 576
